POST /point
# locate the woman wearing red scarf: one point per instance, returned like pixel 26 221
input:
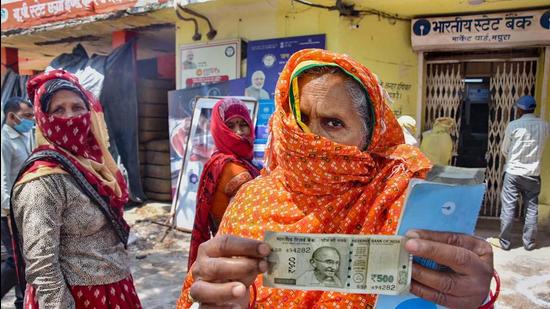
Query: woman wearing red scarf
pixel 67 206
pixel 226 171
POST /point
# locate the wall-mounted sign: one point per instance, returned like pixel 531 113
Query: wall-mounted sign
pixel 209 63
pixel 481 31
pixel 267 58
pixel 28 13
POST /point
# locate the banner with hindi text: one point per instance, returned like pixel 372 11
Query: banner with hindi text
pixel 23 14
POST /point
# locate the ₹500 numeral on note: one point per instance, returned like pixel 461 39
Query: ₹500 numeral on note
pixel 366 264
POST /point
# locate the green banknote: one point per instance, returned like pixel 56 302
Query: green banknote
pixel 367 264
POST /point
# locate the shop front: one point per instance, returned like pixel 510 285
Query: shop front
pixel 470 65
pixel 475 67
pixel 123 51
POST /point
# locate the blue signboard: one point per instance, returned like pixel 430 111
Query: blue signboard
pixel 265 110
pixel 267 58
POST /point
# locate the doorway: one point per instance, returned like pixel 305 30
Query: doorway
pixel 474 126
pixel 478 90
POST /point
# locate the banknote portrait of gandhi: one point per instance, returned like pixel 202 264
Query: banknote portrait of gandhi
pixel 326 264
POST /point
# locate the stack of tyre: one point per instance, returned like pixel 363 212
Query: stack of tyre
pixel 153 138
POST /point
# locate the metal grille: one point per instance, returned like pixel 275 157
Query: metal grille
pixel 444 91
pixel 510 81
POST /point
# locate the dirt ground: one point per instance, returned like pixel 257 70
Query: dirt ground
pixel 160 267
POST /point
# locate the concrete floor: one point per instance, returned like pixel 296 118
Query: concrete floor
pixel 525 275
pixel 159 268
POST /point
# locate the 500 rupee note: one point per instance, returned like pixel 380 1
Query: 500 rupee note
pixel 367 264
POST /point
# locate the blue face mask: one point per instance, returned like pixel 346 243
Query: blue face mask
pixel 24 126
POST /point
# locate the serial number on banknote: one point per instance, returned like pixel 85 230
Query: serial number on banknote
pixel 368 264
pixel 299 250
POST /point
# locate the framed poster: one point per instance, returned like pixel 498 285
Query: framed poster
pixel 267 58
pixel 200 146
pixel 180 111
pixel 209 63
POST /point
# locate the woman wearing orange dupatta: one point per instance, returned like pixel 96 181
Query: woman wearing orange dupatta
pixel 336 163
pixel 67 206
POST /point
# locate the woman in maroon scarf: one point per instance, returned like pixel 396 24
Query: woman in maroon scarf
pixel 227 170
pixel 68 203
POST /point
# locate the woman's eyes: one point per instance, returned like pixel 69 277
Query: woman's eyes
pixel 333 123
pixel 58 110
pixel 77 108
pixel 232 125
pixel 330 123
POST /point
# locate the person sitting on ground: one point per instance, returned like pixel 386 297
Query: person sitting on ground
pixel 336 163
pixel 68 204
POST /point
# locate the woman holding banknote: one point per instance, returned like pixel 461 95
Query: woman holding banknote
pixel 336 163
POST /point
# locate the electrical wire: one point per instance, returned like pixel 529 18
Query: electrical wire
pixel 330 8
pixel 348 10
pixel 211 31
pixel 197 36
pixel 189 11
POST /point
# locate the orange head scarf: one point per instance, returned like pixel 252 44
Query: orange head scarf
pixel 314 185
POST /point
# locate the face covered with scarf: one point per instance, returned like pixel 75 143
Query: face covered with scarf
pixel 336 163
pixel 231 128
pixel 70 121
pixel 233 134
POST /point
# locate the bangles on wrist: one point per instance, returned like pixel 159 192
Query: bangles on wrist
pixel 493 296
pixel 255 292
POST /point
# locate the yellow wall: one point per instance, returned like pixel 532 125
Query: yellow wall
pixel 544 197
pixel 383 47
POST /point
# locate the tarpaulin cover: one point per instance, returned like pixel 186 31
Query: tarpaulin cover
pixel 112 79
pixel 89 70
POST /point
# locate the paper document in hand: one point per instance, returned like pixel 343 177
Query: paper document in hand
pixel 366 264
pixel 435 206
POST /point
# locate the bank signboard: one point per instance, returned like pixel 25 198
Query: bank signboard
pixel 529 28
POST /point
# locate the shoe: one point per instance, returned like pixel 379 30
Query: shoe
pixel 530 247
pixel 496 242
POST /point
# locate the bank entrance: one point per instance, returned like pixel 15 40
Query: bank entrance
pixel 478 90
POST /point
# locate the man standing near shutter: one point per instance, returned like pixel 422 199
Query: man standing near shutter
pixel 522 147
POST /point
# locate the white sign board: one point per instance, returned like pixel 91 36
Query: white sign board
pixel 530 28
pixel 209 63
pixel 200 147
